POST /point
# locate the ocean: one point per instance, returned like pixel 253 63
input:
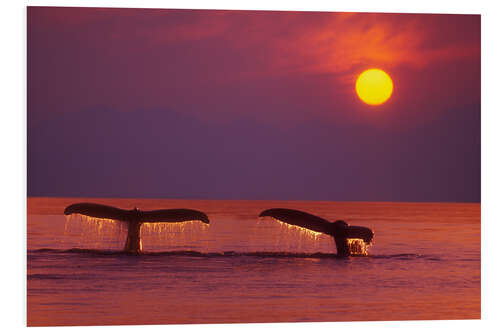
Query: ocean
pixel 424 264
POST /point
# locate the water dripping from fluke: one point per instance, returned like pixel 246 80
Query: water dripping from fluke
pixel 349 240
pixel 105 222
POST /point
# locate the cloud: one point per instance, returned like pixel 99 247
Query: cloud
pixel 329 42
pixel 191 59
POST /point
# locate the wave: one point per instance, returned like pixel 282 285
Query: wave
pixel 46 277
pixel 406 256
pixel 189 253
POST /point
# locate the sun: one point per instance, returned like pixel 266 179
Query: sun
pixel 374 86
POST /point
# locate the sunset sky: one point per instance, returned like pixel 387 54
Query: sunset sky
pixel 251 105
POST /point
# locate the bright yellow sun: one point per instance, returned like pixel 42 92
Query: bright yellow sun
pixel 374 86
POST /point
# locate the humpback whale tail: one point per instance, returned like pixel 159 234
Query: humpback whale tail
pixel 135 218
pixel 339 230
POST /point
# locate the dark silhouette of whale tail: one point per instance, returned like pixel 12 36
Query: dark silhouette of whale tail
pixel 339 230
pixel 135 218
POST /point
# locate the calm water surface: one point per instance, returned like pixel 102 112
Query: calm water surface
pixel 424 264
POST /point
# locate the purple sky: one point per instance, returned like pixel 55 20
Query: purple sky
pixel 251 105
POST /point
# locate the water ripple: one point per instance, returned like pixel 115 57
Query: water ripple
pixel 189 253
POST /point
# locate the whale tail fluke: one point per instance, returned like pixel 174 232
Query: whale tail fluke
pixel 135 218
pixel 161 215
pixel 339 230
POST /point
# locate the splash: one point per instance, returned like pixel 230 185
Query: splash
pixel 90 232
pixel 358 247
